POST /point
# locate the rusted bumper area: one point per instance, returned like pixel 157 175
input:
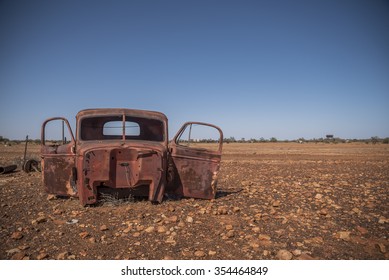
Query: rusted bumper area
pixel 135 171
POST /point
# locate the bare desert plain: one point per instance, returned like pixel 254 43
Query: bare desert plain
pixel 275 201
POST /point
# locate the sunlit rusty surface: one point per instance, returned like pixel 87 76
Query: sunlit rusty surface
pixel 135 163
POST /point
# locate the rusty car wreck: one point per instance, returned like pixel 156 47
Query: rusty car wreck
pixel 128 152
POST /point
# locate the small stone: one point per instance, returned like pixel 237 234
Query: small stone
pixel 17 235
pixel 305 256
pixel 362 230
pixel 103 228
pixel 72 221
pixel 59 222
pixel 344 235
pixel 284 255
pixel 382 248
pixel 168 258
pixel 236 209
pixel 318 196
pixel 51 197
pixel 149 229
pixel 229 227
pixel 264 237
pixel 83 253
pixel 199 254
pixel 256 229
pixel 276 203
pixel 42 256
pixel 136 234
pixel 172 219
pixel 222 210
pixel 13 251
pixel 296 252
pixel 92 240
pixel 57 212
pixel 170 240
pixel 84 234
pixel 18 256
pixel 323 212
pixel 212 253
pixel 254 244
pixel 230 234
pixel 382 220
pixel 63 256
pixel 127 230
pixel 189 219
pixel 161 229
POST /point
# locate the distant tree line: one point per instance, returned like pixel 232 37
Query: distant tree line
pixel 7 141
pixel 372 140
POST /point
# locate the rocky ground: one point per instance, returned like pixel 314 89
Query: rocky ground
pixel 275 201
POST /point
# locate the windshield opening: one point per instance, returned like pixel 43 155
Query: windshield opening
pixel 113 127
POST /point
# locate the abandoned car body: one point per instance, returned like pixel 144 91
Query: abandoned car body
pixel 125 151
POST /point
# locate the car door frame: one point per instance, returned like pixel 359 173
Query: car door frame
pixel 195 170
pixel 59 174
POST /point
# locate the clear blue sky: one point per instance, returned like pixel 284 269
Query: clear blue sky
pixel 284 69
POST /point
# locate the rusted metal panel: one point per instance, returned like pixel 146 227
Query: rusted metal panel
pixel 58 162
pixel 196 169
pixel 126 160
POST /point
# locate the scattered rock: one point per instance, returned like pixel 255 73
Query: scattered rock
pixel 42 256
pixel 199 254
pixel 382 248
pixel 149 229
pixel 362 230
pixel 344 235
pixel 276 203
pixel 72 221
pixel 305 256
pixel 41 219
pixel 172 219
pixel 17 235
pixel 323 212
pixel 296 252
pixel 284 255
pixel 13 251
pixel 84 234
pixel 63 256
pixel 18 256
pixel 229 227
pixel 51 197
pixel 383 220
pixel 212 253
pixel 264 237
pixel 103 228
pixel 161 229
pixel 189 219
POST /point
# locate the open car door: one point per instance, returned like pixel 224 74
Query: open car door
pixel 58 157
pixel 195 159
